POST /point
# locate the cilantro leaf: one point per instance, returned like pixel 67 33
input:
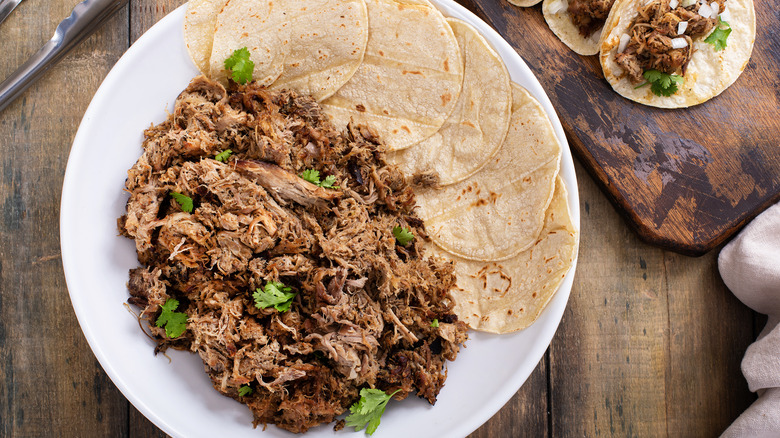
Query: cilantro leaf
pixel 244 391
pixel 435 323
pixel 274 294
pixel 662 84
pixel 224 155
pixel 719 36
pixel 403 235
pixel 368 410
pixel 653 75
pixel 311 175
pixel 328 182
pixel 184 201
pixel 175 322
pixel 240 66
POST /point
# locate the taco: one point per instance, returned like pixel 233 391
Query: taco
pixel 578 23
pixel 676 53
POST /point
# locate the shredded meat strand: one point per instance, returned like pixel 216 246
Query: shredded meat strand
pixel 364 305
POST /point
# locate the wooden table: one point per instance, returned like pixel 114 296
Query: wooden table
pixel 650 344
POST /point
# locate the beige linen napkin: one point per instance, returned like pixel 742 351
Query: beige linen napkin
pixel 750 267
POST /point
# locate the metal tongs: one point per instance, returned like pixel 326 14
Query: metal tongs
pixel 86 17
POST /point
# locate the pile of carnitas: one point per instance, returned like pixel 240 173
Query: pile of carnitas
pixel 364 305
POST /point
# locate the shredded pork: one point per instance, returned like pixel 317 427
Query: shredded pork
pixel 651 34
pixel 364 308
pixel 589 15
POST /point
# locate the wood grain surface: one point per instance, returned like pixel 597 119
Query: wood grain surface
pixel 650 343
pixel 685 179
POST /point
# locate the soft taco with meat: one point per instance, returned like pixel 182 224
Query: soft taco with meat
pixel 676 53
pixel 578 23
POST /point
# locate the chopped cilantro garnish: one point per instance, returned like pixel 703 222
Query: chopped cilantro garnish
pixel 274 294
pixel 403 235
pixel 240 66
pixel 328 182
pixel 313 176
pixel 244 391
pixel 224 155
pixel 184 201
pixel 662 84
pixel 368 410
pixel 435 323
pixel 719 36
pixel 175 322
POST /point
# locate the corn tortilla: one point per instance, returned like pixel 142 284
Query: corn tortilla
pixel 199 23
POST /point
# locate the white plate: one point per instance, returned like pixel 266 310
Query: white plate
pixel 178 396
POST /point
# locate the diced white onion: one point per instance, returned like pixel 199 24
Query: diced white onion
pixel 681 26
pixel 623 42
pixel 725 15
pixel 679 43
pixel 715 8
pixel 705 10
pixel 686 3
pixel 673 3
pixel 558 6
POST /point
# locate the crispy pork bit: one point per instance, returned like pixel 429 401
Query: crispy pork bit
pixel 655 39
pixel 361 316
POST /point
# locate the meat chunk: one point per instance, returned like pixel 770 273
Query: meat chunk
pixel 589 15
pixel 286 185
pixel 630 64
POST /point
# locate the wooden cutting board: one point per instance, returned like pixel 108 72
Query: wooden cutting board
pixel 685 179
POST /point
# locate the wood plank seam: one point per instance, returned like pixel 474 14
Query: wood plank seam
pixel 668 342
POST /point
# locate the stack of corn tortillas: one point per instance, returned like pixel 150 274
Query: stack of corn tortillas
pixel 441 99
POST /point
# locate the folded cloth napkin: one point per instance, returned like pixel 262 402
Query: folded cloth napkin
pixel 750 267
